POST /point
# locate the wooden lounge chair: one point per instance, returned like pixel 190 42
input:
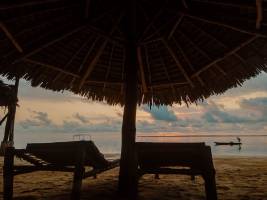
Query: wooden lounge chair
pixel 60 156
pixel 192 159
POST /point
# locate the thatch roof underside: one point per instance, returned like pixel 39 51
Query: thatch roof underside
pixel 187 50
pixel 7 95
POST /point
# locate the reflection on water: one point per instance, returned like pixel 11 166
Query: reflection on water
pixel 110 143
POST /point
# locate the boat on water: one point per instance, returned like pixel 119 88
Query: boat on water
pixel 228 143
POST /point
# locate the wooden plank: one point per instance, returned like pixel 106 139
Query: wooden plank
pixel 259 14
pixel 166 72
pixel 223 45
pixel 94 172
pixel 188 61
pixel 103 82
pixel 224 25
pixel 10 37
pixel 180 19
pixel 159 85
pixel 48 44
pixel 185 4
pixel 109 68
pixel 87 7
pixel 141 67
pixel 203 52
pixel 178 63
pixel 28 169
pixel 98 54
pixel 4 118
pixel 228 4
pixel 151 23
pixel 32 3
pixel 92 64
pixel 225 56
pixel 52 67
pixel 84 59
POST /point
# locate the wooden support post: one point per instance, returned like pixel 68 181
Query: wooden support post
pixel 209 176
pixel 8 175
pixel 8 125
pixel 78 175
pixel 13 112
pixel 128 163
pixel 9 128
pixel 210 186
pixel 156 176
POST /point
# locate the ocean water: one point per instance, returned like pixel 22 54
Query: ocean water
pixel 110 143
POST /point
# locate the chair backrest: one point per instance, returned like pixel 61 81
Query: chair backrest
pixel 154 155
pixel 66 153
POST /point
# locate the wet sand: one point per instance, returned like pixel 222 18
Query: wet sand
pixel 237 179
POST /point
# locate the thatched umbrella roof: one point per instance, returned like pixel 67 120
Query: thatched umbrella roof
pixel 7 95
pixel 187 50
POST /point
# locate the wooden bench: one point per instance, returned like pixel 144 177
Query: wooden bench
pixel 192 159
pixel 60 156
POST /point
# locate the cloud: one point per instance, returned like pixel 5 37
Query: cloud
pixel 38 119
pixel 162 113
pixel 214 113
pixel 81 118
pixel 257 106
pixel 40 122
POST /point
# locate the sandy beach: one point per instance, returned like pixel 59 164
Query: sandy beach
pixel 237 179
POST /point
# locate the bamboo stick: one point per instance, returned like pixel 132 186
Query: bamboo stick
pixel 224 25
pixel 97 56
pixel 180 19
pixel 178 63
pixel 141 67
pixel 10 37
pixel 49 43
pixel 51 67
pixel 225 56
pixel 259 14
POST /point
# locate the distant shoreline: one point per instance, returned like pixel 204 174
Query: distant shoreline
pixel 202 136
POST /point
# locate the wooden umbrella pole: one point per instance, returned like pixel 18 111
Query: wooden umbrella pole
pixel 13 112
pixel 128 163
pixel 9 128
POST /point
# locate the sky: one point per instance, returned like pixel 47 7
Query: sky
pixel 241 110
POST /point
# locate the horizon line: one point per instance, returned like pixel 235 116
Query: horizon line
pixel 233 135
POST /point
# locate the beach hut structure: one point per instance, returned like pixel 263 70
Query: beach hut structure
pixel 134 52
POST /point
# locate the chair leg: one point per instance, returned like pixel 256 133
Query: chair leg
pixel 156 176
pixel 78 176
pixel 8 175
pixel 210 186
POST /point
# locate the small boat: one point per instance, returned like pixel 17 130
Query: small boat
pixel 228 143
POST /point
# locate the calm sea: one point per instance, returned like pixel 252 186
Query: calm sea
pixel 110 143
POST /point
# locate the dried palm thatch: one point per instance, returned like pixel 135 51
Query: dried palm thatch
pixel 187 50
pixel 7 95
